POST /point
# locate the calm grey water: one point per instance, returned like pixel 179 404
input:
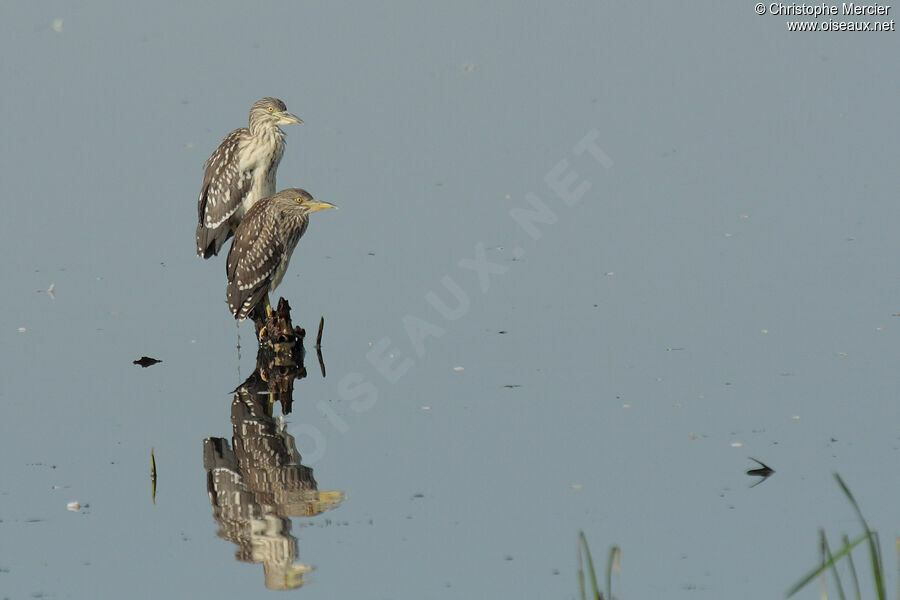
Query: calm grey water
pixel 712 275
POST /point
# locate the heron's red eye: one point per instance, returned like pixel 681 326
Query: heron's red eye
pixel 271 109
pixel 299 200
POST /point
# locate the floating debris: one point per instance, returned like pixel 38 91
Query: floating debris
pixel 73 506
pixel 458 369
pixel 319 335
pixel 57 25
pixel 49 291
pixel 319 346
pixel 153 475
pixel 146 361
pixel 763 472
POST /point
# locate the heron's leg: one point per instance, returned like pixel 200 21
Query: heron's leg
pixel 267 306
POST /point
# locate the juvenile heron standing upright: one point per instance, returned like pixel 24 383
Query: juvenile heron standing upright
pixel 239 172
pixel 262 248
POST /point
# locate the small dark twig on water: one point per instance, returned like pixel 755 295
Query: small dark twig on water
pixel 319 345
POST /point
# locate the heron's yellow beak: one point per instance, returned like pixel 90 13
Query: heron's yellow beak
pixel 286 118
pixel 316 205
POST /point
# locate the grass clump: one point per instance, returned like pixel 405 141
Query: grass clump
pixel 585 559
pixel 830 559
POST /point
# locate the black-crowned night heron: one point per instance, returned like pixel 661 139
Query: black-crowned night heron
pixel 262 247
pixel 239 172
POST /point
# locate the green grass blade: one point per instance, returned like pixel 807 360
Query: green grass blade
pixel 874 552
pixel 580 567
pixel 615 556
pixel 595 593
pixel 823 588
pixel 846 541
pixel 877 565
pixel 829 559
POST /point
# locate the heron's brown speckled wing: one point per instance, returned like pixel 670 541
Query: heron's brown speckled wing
pixel 224 188
pixel 253 258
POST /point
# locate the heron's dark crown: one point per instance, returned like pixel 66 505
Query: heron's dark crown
pixel 292 195
pixel 265 103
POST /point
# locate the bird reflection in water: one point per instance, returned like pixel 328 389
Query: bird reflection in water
pixel 258 483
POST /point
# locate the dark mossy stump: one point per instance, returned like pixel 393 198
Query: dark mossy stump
pixel 279 330
pixel 279 359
